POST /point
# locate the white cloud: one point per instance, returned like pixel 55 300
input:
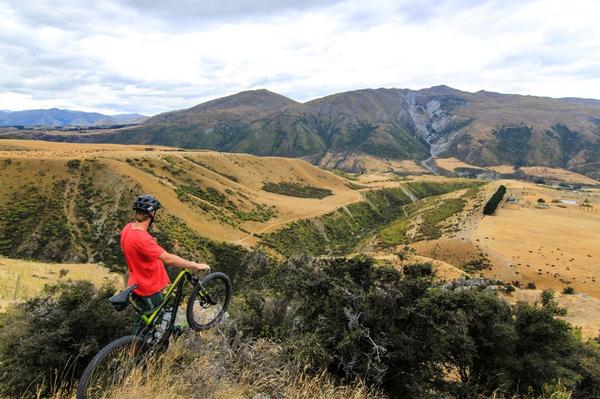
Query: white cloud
pixel 112 57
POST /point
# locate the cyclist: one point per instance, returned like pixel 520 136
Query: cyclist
pixel 146 259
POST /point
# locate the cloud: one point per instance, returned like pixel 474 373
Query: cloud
pixel 154 56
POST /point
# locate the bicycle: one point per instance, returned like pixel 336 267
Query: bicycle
pixel 207 305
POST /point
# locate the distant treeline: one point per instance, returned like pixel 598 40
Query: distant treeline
pixel 492 204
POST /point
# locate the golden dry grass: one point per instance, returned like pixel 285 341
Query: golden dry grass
pixel 553 247
pixel 452 163
pixel 208 366
pixel 32 277
pixel 557 174
pixel 502 169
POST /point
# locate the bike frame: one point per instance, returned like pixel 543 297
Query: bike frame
pixel 176 288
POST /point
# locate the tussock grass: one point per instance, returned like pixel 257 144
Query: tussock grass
pixel 213 365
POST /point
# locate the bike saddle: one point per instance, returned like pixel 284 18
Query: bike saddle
pixel 119 301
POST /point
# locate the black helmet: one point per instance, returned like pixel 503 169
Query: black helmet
pixel 146 203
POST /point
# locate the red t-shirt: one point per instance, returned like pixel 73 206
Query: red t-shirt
pixel 145 269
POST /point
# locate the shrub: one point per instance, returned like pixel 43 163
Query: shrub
pixel 296 190
pixel 531 286
pixel 475 265
pixel 52 338
pixel 73 164
pixel 401 333
pixel 541 201
pixel 569 290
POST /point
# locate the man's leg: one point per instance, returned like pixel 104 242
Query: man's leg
pixel 146 303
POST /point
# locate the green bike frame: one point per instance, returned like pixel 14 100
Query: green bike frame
pixel 176 288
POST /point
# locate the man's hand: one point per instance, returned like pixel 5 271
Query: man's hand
pixel 201 267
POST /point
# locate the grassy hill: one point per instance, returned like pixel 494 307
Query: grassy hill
pixel 67 202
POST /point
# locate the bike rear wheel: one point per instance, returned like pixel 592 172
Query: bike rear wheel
pixel 208 301
pixel 111 366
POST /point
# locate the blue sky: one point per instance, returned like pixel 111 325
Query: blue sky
pixel 152 56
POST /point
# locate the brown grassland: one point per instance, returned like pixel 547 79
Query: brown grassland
pixel 550 245
pixel 20 279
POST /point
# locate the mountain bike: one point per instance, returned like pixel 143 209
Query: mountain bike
pixel 206 307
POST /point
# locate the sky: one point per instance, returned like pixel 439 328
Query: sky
pixel 152 56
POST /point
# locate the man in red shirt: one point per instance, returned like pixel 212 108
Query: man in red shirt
pixel 146 259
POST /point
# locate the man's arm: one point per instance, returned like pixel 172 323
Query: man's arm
pixel 178 261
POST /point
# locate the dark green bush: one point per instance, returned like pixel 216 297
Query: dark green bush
pixel 50 339
pixel 296 190
pixel 494 201
pixel 73 164
pixel 569 290
pixel 401 333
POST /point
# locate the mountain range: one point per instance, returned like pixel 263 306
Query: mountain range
pixel 341 130
pixel 62 117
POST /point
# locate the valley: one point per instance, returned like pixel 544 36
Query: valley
pixel 69 201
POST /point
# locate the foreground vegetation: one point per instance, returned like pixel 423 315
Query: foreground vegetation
pixel 316 327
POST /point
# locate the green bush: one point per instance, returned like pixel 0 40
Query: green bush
pixel 50 339
pixel 403 334
pixel 476 265
pixel 73 164
pixel 296 190
pixel 494 201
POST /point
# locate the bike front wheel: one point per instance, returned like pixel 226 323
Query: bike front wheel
pixel 208 301
pixel 110 367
